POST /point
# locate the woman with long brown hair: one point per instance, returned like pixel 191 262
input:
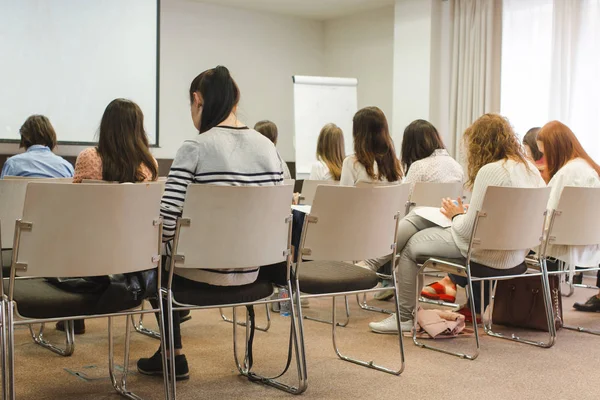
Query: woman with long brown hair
pixel 568 164
pixel 374 158
pixel 495 158
pixel 330 154
pixel 123 153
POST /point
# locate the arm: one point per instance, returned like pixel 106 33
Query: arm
pixel 87 166
pixel 348 178
pixel 180 176
pixel 7 169
pixel 489 175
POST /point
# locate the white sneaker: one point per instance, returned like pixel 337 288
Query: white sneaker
pixel 390 325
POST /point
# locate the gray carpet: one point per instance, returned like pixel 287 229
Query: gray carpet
pixel 504 370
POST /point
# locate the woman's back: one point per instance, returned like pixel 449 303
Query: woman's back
pixel 438 167
pixel 89 166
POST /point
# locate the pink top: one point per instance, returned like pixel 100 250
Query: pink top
pixel 89 166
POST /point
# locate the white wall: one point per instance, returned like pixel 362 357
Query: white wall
pixel 362 46
pixel 261 50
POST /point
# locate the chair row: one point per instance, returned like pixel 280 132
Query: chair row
pixel 113 229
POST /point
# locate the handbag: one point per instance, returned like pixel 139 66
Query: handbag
pixel 519 303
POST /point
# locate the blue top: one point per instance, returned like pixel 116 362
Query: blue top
pixel 37 162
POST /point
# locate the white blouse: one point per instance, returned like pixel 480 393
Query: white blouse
pixel 320 172
pixel 438 167
pixel 578 173
pixel 354 172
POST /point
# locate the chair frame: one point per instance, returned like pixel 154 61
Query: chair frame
pixel 465 270
pixel 8 312
pixel 369 364
pixel 166 293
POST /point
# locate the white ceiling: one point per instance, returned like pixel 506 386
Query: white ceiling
pixel 315 9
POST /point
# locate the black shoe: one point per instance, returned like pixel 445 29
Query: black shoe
pixel 153 366
pixel 184 316
pixel 592 305
pixel 79 328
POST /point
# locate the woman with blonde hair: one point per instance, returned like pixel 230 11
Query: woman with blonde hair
pixel 495 158
pixel 330 154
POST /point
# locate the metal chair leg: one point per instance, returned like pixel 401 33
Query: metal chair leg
pixel 363 305
pixel 325 321
pixel 139 327
pixel 369 364
pixel 38 338
pixel 10 346
pixel 3 348
pixel 120 387
pixel 297 333
pixel 242 323
pixel 487 326
pixel 416 341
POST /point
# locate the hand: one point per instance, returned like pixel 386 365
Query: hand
pixel 296 198
pixel 451 208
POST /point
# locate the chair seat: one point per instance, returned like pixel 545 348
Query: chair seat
pixel 318 277
pixel 479 270
pixel 206 295
pixel 36 298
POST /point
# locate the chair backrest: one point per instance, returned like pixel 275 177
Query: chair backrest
pixel 430 194
pixel 38 179
pixel 289 181
pixel 89 230
pixel 363 184
pixel 12 198
pixel 511 218
pixel 309 188
pixel 353 223
pixel 234 226
pixel 575 220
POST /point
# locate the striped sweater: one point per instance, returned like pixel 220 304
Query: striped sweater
pixel 220 156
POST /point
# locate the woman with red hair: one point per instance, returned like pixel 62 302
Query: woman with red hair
pixel 568 164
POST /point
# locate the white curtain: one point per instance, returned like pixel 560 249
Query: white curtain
pixel 550 66
pixel 475 55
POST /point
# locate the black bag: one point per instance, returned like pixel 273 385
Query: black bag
pixel 519 303
pixel 117 292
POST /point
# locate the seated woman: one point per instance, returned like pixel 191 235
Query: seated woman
pixel 226 152
pixel 374 158
pixel 424 156
pixel 270 131
pixel 122 155
pixel 330 154
pixel 425 159
pixel 532 152
pixel 39 139
pixel 568 164
pixel 495 158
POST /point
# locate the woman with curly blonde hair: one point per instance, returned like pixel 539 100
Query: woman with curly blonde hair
pixel 495 158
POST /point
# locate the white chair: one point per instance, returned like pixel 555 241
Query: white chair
pixel 309 189
pixel 234 227
pixel 348 223
pixel 574 223
pixel 500 228
pixel 430 194
pixel 78 231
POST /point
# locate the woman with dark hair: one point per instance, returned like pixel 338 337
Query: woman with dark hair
pixel 532 151
pixel 424 156
pixel 374 158
pixel 39 139
pixel 225 152
pixel 495 158
pixel 269 130
pixel 123 153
